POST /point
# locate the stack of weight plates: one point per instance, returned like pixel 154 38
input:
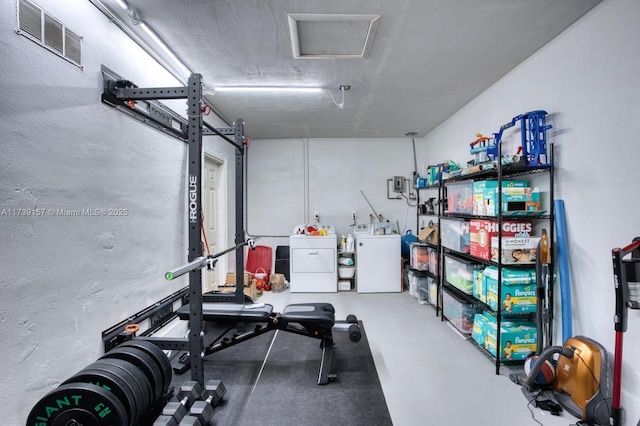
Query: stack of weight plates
pixel 120 388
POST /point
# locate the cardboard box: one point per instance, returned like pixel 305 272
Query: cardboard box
pixel 479 188
pixel 231 278
pixel 482 231
pixel 518 291
pixel 516 250
pixel 249 290
pixel 479 288
pixel 513 200
pixel 517 338
pixel 479 326
pixel 429 234
pixel 276 281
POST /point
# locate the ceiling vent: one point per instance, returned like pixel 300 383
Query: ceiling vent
pixel 37 25
pixel 329 36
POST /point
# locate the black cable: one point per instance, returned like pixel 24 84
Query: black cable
pixel 408 200
pixel 531 411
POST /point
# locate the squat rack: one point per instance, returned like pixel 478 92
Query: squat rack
pixel 143 104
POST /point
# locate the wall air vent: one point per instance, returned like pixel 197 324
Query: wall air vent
pixel 42 28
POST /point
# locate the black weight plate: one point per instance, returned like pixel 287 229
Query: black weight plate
pixel 135 378
pixel 111 382
pixel 144 362
pixel 87 404
pixel 157 354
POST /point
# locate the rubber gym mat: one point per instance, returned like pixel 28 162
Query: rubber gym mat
pixel 286 392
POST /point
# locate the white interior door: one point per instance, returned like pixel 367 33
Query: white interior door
pixel 212 221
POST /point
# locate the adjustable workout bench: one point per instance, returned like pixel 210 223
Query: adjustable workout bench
pixel 315 320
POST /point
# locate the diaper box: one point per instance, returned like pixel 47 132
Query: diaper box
pixel 515 250
pixel 517 338
pixel 478 333
pixel 478 192
pixel 513 200
pixel 481 232
pixel 518 291
pixel 479 287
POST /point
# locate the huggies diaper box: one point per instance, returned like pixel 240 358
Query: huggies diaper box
pixel 481 233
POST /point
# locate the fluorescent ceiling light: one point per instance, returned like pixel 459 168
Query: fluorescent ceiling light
pixel 122 4
pixel 272 89
pixel 164 47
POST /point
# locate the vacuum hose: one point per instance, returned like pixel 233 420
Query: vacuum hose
pixel 546 355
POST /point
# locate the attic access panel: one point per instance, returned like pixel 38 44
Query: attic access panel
pixel 331 36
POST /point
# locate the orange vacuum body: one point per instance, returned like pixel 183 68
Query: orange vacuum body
pixel 583 382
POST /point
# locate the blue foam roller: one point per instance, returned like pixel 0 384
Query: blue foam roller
pixel 563 266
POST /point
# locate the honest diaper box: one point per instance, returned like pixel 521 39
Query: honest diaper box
pixel 515 250
pixel 517 293
pixel 481 232
pixel 517 338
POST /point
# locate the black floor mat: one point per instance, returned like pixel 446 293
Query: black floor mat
pixel 287 392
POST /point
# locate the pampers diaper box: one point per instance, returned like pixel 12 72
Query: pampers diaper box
pixel 479 289
pixel 517 338
pixel 479 188
pixel 479 326
pixel 518 291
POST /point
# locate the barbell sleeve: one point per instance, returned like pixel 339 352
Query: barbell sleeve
pixel 197 263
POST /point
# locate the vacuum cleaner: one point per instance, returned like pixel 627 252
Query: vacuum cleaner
pixel 585 382
pixel 583 379
pixel 627 296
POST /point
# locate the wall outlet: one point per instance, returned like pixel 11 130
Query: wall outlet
pixel 316 214
pixel 353 214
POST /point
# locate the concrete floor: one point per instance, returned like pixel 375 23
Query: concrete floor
pixel 430 375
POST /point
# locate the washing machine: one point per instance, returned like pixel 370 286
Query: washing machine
pixel 313 260
pixel 378 259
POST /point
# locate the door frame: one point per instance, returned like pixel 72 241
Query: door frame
pixel 221 216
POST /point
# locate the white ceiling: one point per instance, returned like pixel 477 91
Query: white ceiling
pixel 427 59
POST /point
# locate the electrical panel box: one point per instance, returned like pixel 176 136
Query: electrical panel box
pixel 398 184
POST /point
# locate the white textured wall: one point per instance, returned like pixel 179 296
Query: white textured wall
pixel 588 79
pixel 290 179
pixel 65 279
